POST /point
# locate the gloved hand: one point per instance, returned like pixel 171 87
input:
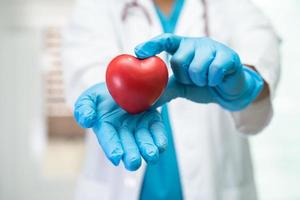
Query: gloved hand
pixel 205 70
pixel 121 135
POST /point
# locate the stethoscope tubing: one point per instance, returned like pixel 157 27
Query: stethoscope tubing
pixel 136 4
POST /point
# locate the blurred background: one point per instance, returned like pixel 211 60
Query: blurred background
pixel 41 147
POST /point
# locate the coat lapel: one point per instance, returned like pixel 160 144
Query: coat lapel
pixel 135 27
pixel 191 21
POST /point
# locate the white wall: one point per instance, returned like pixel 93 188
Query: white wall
pixel 21 103
pixel 277 150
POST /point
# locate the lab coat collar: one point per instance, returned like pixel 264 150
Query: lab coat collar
pixel 192 9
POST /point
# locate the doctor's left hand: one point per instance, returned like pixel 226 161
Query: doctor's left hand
pixel 206 70
pixel 121 135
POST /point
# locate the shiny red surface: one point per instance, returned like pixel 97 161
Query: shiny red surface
pixel 136 84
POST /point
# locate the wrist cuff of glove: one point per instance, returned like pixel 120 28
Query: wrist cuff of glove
pixel 254 87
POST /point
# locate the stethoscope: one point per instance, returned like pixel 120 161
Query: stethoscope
pixel 136 4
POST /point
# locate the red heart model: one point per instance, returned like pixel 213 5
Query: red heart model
pixel 136 84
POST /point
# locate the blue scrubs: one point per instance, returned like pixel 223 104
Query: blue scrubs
pixel 162 180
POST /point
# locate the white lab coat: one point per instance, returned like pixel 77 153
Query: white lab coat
pixel 211 143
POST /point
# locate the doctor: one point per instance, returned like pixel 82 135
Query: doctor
pixel 220 91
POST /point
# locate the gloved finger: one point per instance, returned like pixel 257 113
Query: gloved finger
pixel 132 157
pixel 146 145
pixel 145 142
pixel 173 90
pixel 109 141
pixel 198 70
pixel 226 62
pixel 234 85
pixel 181 60
pixel 85 110
pixel 158 132
pixel 165 42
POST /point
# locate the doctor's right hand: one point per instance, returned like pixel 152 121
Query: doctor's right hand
pixel 122 136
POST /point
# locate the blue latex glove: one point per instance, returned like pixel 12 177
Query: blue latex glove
pixel 121 135
pixel 206 71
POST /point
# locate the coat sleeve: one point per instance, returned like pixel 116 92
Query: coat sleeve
pixel 252 36
pixel 88 45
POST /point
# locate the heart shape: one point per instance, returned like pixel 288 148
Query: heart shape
pixel 136 84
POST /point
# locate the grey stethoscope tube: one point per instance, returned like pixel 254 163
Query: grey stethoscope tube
pixel 136 4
